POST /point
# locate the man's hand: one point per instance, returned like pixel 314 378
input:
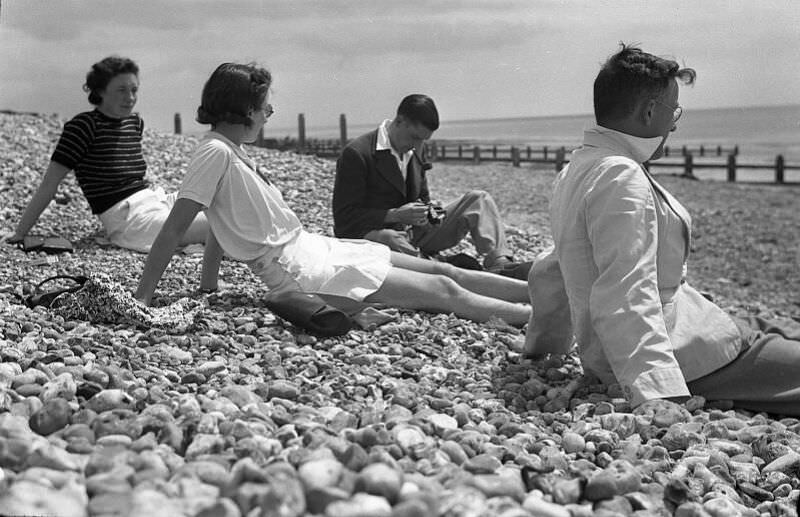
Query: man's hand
pixel 414 213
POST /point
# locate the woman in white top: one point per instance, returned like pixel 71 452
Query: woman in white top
pixel 249 221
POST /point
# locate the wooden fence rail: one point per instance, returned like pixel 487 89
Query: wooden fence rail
pixel 731 166
pixel 557 156
pixel 703 150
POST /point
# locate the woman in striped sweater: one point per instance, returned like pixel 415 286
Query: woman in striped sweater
pixel 104 148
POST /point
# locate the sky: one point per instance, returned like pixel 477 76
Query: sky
pixel 478 59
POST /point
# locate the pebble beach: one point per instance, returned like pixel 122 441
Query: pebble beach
pixel 242 414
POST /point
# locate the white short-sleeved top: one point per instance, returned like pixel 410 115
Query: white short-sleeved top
pixel 245 211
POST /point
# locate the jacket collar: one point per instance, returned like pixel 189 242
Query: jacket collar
pixel 637 148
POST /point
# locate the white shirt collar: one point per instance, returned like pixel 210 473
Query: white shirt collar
pixel 238 150
pixel 383 143
pixel 640 149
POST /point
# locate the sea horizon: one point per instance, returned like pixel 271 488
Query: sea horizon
pixel 758 131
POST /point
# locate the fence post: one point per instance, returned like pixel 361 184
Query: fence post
pixel 666 151
pixel 702 150
pixel 342 130
pixel 301 132
pixel 732 167
pixel 433 147
pixel 529 152
pixel 684 151
pixel 476 154
pixel 560 158
pixel 736 149
pixel 719 150
pixel 779 167
pixel 177 123
pixel 688 167
pixel 444 152
pixel 515 156
pixel 544 153
pixel 460 153
pixel 494 151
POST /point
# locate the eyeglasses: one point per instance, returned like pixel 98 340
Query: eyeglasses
pixel 677 110
pixel 268 110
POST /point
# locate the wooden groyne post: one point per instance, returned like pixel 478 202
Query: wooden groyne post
pixel 561 154
pixel 688 165
pixel 301 132
pixel 731 167
pixel 779 168
pixel 178 124
pixel 342 130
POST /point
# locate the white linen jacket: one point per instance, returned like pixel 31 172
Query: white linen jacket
pixel 615 279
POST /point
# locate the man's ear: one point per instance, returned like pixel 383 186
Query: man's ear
pixel 647 110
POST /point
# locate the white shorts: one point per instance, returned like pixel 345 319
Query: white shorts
pixel 311 263
pixel 135 221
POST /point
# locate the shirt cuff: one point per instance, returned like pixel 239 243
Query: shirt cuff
pixel 656 384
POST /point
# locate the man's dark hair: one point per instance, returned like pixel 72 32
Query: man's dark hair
pixel 419 109
pixel 231 92
pixel 630 76
pixel 103 71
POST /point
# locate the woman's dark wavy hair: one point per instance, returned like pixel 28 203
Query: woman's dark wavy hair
pixel 103 71
pixel 420 109
pixel 630 76
pixel 231 92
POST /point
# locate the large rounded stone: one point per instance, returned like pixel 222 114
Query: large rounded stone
pixel 380 479
pixel 619 478
pixel 54 415
pixel 30 498
pixel 360 505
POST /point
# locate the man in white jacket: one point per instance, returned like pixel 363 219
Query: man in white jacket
pixel 615 279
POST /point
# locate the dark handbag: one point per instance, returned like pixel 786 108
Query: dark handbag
pixel 45 298
pixel 46 244
pixel 310 312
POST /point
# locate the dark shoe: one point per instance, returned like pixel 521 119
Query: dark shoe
pixel 499 263
pixel 463 261
pixel 518 270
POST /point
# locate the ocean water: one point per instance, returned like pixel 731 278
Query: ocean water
pixel 760 132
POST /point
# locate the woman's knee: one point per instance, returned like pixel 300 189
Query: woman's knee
pixel 447 270
pixel 446 287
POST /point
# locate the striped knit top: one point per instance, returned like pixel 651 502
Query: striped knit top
pixel 106 155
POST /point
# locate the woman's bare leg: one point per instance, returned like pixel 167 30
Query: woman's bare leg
pixel 411 289
pixel 480 282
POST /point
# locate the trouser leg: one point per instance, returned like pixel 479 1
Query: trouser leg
pixel 766 374
pixel 396 240
pixel 475 213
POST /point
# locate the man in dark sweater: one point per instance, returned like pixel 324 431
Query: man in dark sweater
pixel 381 194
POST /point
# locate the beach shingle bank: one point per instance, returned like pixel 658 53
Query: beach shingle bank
pixel 244 415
